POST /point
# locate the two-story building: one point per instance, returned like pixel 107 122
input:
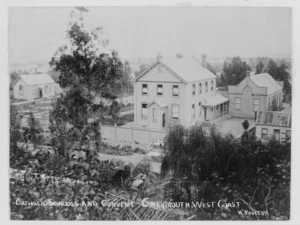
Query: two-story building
pixel 259 92
pixel 177 91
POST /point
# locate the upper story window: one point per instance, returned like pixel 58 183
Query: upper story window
pixel 237 103
pixel 175 111
pixel 193 89
pixel 256 105
pixel 144 89
pixel 159 90
pixel 206 87
pixel 212 85
pixel 144 110
pixel 193 110
pixel 21 89
pixel 200 88
pixel 175 91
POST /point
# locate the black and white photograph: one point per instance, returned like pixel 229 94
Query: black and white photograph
pixel 150 113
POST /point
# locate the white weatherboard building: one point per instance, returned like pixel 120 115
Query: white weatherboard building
pixel 177 91
pixel 34 86
pixel 273 124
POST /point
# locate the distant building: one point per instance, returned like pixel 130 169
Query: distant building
pixel 255 93
pixel 29 87
pixel 177 91
pixel 273 124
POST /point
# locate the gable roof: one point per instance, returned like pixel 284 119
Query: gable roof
pixel 282 119
pixel 188 70
pixel 159 103
pixel 33 79
pixel 265 80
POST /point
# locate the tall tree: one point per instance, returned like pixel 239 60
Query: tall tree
pixel 126 79
pixel 259 67
pixel 89 75
pixel 280 73
pixel 143 68
pixel 33 131
pixel 234 72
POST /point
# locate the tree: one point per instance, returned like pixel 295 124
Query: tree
pixel 259 67
pixel 234 72
pixel 33 132
pixel 143 68
pixel 280 73
pixel 14 128
pixel 54 75
pixel 211 69
pixel 88 75
pixel 126 79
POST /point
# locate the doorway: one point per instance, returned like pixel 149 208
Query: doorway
pixel 205 113
pixel 41 93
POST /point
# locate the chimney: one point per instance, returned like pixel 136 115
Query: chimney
pixel 248 73
pixel 204 60
pixel 158 56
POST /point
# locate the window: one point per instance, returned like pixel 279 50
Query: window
pixel 154 114
pixel 46 89
pixel 277 135
pixel 144 89
pixel 144 110
pixel 175 111
pixel 159 90
pixel 49 88
pixel 200 88
pixel 200 109
pixel 264 133
pixel 193 90
pixel 193 110
pixel 212 85
pixel 256 105
pixel 288 136
pixel 21 89
pixel 175 91
pixel 206 87
pixel 237 103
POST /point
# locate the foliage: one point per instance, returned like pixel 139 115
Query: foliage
pixel 210 167
pixel 15 135
pixel 259 67
pixel 143 68
pixel 280 73
pixel 234 72
pixel 33 132
pixel 87 75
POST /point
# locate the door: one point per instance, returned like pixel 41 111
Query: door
pixel 163 120
pixel 205 113
pixel 41 93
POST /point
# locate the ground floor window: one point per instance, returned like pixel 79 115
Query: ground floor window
pixel 200 109
pixel 277 135
pixel 175 111
pixel 288 136
pixel 264 133
pixel 154 114
pixel 21 89
pixel 237 103
pixel 144 110
pixel 193 110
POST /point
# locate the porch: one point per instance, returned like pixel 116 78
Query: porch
pixel 215 107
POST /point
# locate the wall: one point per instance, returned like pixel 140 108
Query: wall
pixel 130 134
pixel 16 90
pixel 271 131
pixel 247 91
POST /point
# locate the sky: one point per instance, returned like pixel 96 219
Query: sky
pixel 36 33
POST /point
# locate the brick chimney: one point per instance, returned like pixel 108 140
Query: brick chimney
pixel 204 60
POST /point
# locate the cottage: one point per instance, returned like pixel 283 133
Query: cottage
pixel 177 91
pixel 255 93
pixel 273 124
pixel 33 86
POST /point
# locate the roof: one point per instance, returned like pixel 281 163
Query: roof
pixel 159 103
pixel 33 79
pixel 281 119
pixel 188 70
pixel 265 80
pixel 215 100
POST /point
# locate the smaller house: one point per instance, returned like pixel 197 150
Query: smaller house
pixel 34 86
pixel 259 92
pixel 273 124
